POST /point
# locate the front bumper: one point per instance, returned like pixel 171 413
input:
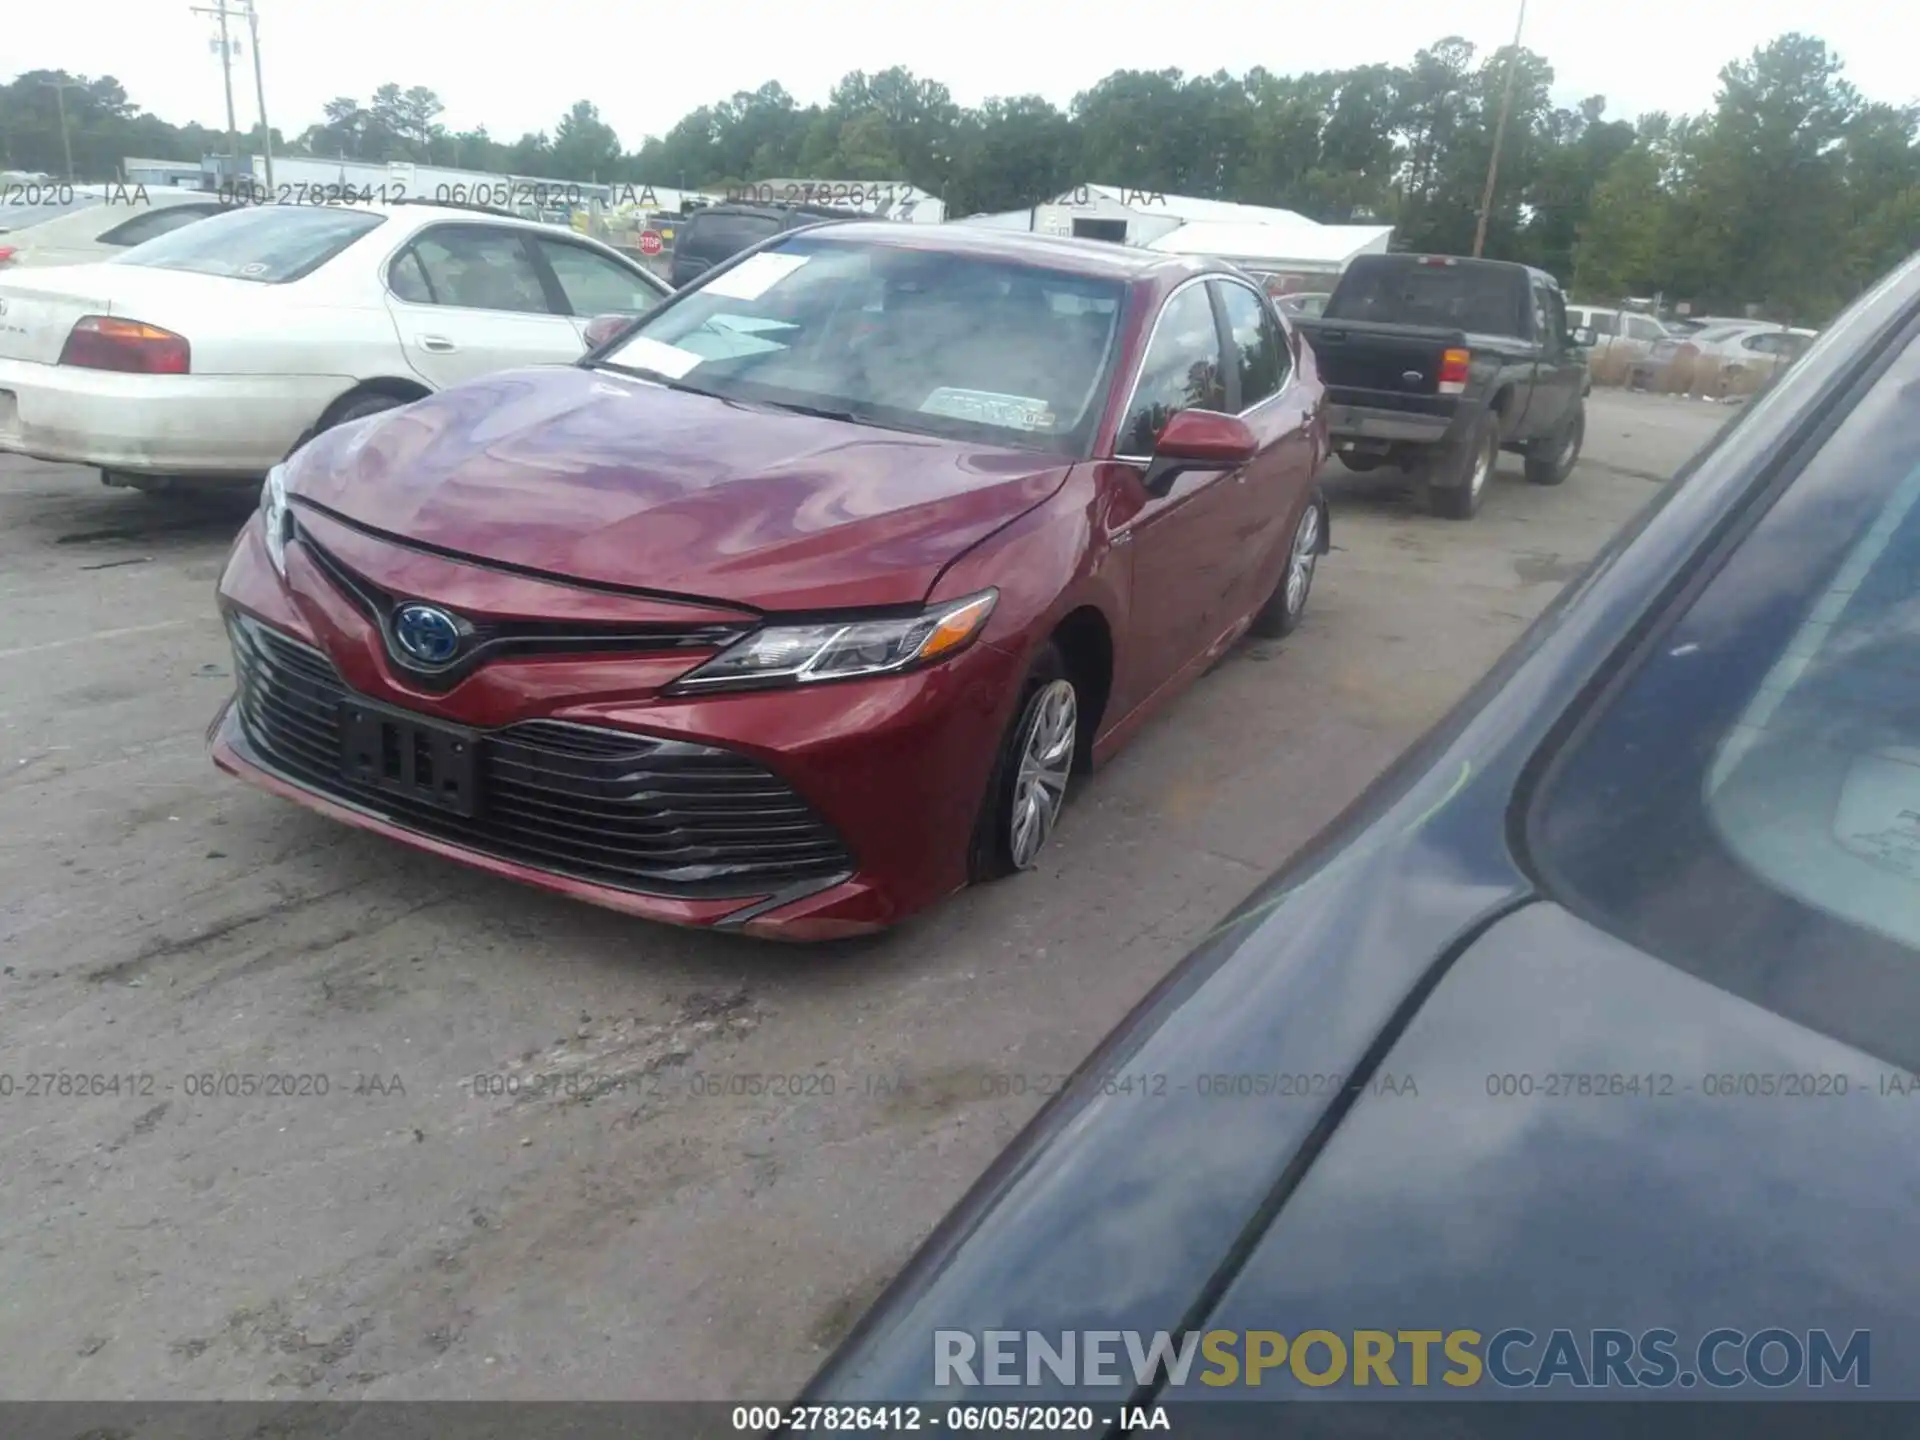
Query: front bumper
pixel 895 766
pixel 237 425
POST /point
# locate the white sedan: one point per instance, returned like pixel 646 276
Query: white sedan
pixel 211 353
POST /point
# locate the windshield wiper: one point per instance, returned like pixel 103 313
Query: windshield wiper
pixel 819 412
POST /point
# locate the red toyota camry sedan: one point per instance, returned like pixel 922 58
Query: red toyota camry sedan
pixel 796 604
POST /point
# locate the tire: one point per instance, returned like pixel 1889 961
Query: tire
pixel 1362 464
pixel 1286 607
pixel 355 405
pixel 1458 480
pixel 1551 461
pixel 1023 800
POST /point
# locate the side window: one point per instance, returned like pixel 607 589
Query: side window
pixel 1605 322
pixel 1641 328
pixel 595 285
pixel 1261 355
pixel 1553 313
pixel 479 269
pixel 1183 371
pixel 146 225
pixel 407 278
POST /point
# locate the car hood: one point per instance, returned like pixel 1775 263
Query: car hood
pixel 1572 1134
pixel 611 480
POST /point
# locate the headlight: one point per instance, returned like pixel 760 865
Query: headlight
pixel 273 509
pixel 801 654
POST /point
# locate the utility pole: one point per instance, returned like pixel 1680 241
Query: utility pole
pixel 260 92
pixel 1499 134
pixel 60 88
pixel 226 71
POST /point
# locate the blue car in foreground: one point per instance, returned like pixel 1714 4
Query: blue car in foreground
pixel 1577 1061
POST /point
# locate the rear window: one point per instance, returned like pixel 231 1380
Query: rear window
pixel 1746 803
pixel 271 244
pixel 722 235
pixel 1479 299
pixel 19 217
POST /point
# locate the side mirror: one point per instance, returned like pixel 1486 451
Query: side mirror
pixel 603 328
pixel 1583 338
pixel 1199 440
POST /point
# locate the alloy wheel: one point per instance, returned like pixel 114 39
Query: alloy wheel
pixel 1306 553
pixel 1046 762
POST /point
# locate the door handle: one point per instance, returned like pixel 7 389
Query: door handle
pixel 439 344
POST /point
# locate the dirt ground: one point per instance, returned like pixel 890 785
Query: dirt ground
pixel 687 1161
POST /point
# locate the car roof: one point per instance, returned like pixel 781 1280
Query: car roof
pixel 1099 258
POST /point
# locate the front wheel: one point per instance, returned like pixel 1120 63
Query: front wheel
pixel 1029 784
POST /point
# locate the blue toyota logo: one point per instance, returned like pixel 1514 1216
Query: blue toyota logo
pixel 427 634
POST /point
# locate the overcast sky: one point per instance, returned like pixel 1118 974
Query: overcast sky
pixel 516 66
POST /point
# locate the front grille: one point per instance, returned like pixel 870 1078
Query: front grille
pixel 659 817
pixel 493 639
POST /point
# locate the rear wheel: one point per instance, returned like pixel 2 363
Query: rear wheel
pixel 1029 784
pixel 1551 460
pixel 356 405
pixel 1282 613
pixel 1458 479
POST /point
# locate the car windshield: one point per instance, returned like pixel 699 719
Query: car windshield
pixel 1748 806
pixel 1478 299
pixel 911 339
pixel 271 244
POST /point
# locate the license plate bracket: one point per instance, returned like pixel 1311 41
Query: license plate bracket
pixel 410 756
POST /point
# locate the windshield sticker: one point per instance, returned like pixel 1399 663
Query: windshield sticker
pixel 650 354
pixel 1879 812
pixel 1010 412
pixel 754 276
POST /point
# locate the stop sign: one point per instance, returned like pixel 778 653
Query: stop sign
pixel 650 242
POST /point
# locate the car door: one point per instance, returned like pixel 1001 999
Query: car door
pixel 1642 335
pixel 1260 373
pixel 1183 544
pixel 1557 374
pixel 596 284
pixel 471 299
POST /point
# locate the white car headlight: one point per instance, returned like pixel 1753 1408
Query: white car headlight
pixel 836 650
pixel 275 515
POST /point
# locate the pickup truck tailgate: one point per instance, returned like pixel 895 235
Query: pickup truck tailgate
pixel 1363 356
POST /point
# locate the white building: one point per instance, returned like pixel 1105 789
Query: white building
pixel 1263 238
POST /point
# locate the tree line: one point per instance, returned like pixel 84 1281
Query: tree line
pixel 1793 192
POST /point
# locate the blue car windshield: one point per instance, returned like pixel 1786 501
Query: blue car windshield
pixel 1748 805
pixel 923 341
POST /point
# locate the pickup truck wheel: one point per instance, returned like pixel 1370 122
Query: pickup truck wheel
pixel 1551 460
pixel 1458 479
pixel 1362 464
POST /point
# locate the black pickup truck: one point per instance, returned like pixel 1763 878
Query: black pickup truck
pixel 1435 364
